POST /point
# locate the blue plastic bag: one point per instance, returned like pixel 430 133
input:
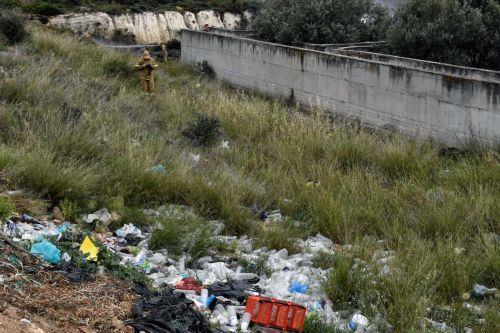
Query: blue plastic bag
pixel 48 251
pixel 298 288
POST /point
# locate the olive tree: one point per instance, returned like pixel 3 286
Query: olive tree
pixel 321 21
pixel 462 32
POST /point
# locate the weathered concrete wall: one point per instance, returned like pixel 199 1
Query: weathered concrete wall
pixel 419 102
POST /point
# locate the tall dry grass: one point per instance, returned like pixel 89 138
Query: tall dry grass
pixel 350 184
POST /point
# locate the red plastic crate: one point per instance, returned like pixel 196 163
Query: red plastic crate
pixel 275 313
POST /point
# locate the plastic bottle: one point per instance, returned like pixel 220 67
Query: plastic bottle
pixel 233 319
pixel 358 323
pixel 245 321
pixel 220 317
pixel 219 307
pixel 204 297
pixel 182 264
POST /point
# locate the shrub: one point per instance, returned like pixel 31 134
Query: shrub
pixel 6 208
pixel 45 8
pixel 319 21
pixel 117 66
pixel 453 31
pixel 12 27
pixel 204 131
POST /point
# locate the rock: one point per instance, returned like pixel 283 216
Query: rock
pixel 98 24
pixel 175 24
pixel 124 27
pixel 190 21
pixel 57 214
pixel 209 17
pixel 232 21
pixel 147 28
pixel 142 28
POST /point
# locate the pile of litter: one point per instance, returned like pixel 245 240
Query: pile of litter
pixel 240 290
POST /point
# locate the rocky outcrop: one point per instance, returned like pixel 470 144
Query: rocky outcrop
pixel 232 21
pixel 99 24
pixel 209 17
pixel 190 21
pixel 144 28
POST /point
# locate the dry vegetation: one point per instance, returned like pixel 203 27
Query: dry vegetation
pixel 76 128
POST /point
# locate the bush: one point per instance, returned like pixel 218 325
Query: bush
pixel 319 21
pixel 117 66
pixel 12 27
pixel 204 131
pixel 6 208
pixel 452 31
pixel 44 8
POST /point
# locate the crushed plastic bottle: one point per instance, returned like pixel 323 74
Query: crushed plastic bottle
pixel 358 323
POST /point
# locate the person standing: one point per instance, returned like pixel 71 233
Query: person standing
pixel 146 65
pixel 164 51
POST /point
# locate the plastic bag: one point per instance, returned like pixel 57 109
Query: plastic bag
pixel 48 251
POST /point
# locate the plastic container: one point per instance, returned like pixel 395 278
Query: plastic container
pixel 233 319
pixel 204 296
pixel 245 321
pixel 275 313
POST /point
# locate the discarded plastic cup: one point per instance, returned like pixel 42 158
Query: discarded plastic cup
pixel 245 321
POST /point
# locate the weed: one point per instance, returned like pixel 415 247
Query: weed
pixel 69 209
pixel 204 131
pixel 117 66
pixel 324 260
pixel 314 324
pixel 6 208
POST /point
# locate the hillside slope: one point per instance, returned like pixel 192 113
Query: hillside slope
pixel 75 128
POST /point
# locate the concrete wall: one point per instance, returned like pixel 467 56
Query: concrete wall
pixel 417 101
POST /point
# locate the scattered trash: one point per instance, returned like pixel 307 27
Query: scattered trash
pixel 299 288
pixel 48 251
pixel 224 144
pixel 101 215
pixel 481 291
pixel 166 312
pixel 189 284
pixel 276 313
pixel 435 195
pixel 358 322
pixel 26 321
pixel 473 308
pixel 440 327
pixel 158 169
pixel 89 249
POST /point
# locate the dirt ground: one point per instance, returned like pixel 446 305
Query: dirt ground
pixel 34 299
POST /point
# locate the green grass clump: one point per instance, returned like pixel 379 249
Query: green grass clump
pixel 6 208
pixel 326 176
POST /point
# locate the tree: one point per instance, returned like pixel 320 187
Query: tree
pixel 321 21
pixel 461 32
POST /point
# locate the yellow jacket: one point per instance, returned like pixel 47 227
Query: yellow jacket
pixel 146 66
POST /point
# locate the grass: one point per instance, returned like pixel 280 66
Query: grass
pixel 352 185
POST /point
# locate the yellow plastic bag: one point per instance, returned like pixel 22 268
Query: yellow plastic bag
pixel 89 249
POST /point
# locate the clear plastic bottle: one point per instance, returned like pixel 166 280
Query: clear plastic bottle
pixel 245 321
pixel 204 296
pixel 233 319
